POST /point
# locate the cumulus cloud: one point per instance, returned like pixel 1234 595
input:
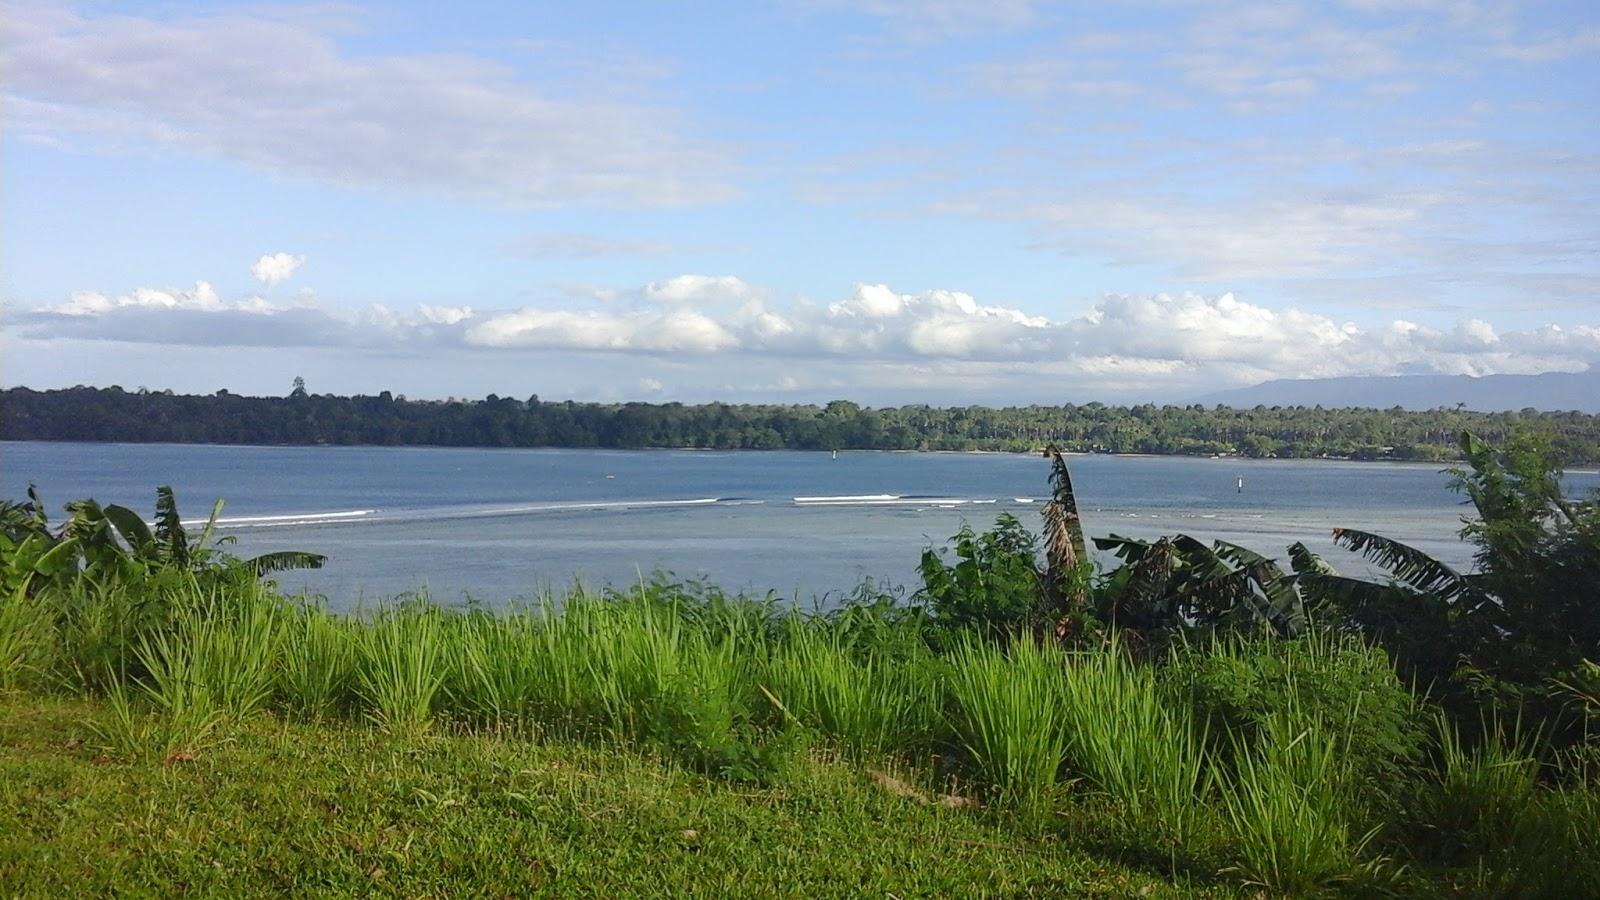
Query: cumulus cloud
pixel 276 268
pixel 674 331
pixel 276 91
pixel 1158 342
pixel 700 289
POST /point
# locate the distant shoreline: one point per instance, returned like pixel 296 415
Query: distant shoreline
pixel 1234 457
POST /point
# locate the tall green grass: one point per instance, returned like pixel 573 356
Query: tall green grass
pixel 1293 808
pixel 1128 742
pixel 1268 754
pixel 1007 711
pixel 27 640
pixel 214 665
pixel 400 665
pixel 317 671
pixel 1495 813
pixel 866 702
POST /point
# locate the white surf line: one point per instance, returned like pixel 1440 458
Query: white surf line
pixel 553 507
pixel 295 518
pixel 885 500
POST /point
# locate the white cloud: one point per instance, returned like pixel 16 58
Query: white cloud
pixel 276 91
pixel 700 289
pixel 93 303
pixel 276 268
pixel 650 385
pixel 675 331
pixel 1159 342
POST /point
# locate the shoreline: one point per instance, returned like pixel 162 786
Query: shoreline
pixel 1234 457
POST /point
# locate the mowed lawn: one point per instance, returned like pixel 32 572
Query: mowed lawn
pixel 349 810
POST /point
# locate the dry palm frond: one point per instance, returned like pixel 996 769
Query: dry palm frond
pixel 1063 529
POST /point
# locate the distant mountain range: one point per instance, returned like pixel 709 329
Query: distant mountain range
pixel 1490 393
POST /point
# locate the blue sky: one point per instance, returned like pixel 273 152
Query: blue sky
pixel 890 200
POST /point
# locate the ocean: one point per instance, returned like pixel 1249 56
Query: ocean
pixel 494 526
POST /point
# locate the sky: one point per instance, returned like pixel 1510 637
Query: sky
pixel 891 201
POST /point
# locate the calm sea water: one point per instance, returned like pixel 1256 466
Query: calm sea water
pixel 501 524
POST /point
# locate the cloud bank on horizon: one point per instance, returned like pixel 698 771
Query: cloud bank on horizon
pixel 914 199
pixel 1175 344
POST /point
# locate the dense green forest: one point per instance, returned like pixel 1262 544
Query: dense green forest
pixel 113 414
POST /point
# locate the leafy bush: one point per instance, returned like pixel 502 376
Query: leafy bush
pixel 993 587
pixel 1497 640
pixel 1237 685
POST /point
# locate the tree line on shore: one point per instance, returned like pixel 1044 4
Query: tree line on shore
pixel 114 414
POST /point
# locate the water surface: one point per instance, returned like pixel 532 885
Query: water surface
pixel 500 524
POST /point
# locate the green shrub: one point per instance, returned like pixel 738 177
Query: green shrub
pixel 1236 685
pixel 993 588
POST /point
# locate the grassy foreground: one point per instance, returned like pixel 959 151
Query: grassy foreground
pixel 296 808
pixel 215 737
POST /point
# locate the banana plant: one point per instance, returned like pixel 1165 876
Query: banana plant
pixel 114 543
pixel 1180 581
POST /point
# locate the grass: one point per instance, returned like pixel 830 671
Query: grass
pixel 1128 742
pixel 863 701
pixel 576 732
pixel 1007 711
pixel 400 666
pixel 1292 809
pixel 296 808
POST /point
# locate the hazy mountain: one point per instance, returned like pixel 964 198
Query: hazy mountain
pixel 1549 391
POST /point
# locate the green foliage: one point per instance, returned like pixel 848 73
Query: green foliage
pixel 1512 635
pixel 27 639
pixel 212 668
pixel 317 674
pixel 993 587
pixel 1293 806
pixel 1240 684
pixel 400 666
pixel 1179 583
pixel 1129 743
pixel 78 414
pixel 1007 713
pixel 112 544
pixel 1487 814
pixel 867 701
